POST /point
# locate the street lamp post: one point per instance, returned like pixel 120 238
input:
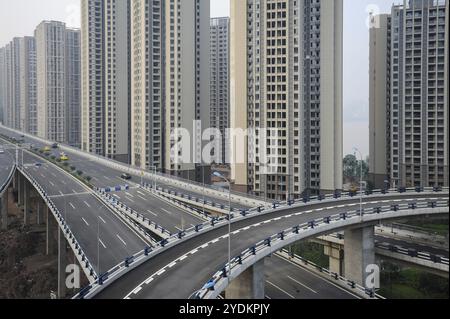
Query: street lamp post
pixel 217 174
pixel 360 181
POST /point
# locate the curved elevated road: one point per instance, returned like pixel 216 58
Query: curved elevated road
pixel 86 216
pixel 175 272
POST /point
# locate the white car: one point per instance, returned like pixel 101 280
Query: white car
pixel 2 151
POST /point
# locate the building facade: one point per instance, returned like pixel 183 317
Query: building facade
pixel 56 98
pixel 417 116
pixel 18 84
pixel 28 85
pixel 147 84
pixel 105 57
pixel 286 77
pixel 186 85
pixel 220 84
pixel 73 87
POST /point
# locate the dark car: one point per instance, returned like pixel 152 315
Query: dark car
pixel 126 176
pixel 55 145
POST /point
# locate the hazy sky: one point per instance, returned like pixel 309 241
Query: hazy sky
pixel 20 17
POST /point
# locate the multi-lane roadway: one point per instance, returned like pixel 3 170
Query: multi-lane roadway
pixel 182 270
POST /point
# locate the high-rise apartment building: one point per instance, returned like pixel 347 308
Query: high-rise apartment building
pixel 417 96
pixel 73 87
pixel 28 85
pixel 56 99
pixel 187 85
pixel 220 82
pixel 18 84
pixel 286 76
pixel 2 85
pixel 105 43
pixel 147 84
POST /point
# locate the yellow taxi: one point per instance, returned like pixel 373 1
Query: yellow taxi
pixel 64 157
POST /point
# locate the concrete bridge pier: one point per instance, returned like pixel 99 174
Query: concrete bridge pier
pixel 359 253
pixel 335 252
pixel 249 285
pixel 26 201
pixel 20 189
pixel 62 264
pixel 51 229
pixel 40 205
pixel 4 210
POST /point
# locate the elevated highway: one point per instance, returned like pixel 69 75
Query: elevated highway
pixel 195 251
pixel 174 270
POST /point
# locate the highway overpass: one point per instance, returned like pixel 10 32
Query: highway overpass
pixel 141 268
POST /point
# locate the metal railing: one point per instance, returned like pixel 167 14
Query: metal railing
pixel 4 186
pixel 149 252
pixel 70 237
pixel 134 219
pixel 264 248
pixel 347 283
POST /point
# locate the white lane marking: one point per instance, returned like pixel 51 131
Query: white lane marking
pixel 215 241
pixel 74 191
pixel 142 197
pixel 100 217
pixel 71 205
pixel 148 210
pixel 121 240
pixel 280 289
pixel 166 211
pixel 204 246
pixel 53 185
pixel 87 204
pixel 140 193
pixel 301 284
pixel 64 183
pixel 183 258
pixel 159 273
pixel 101 242
pixel 116 196
pixel 128 194
pixel 194 252
pixel 172 264
pixel 136 291
pixel 179 229
pixel 148 281
pixel 317 276
pixel 85 221
pixel 62 194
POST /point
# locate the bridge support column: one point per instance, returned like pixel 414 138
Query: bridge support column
pixel 249 285
pixel 359 253
pixel 50 238
pixel 62 264
pixel 26 202
pixel 4 209
pixel 20 191
pixel 335 252
pixel 40 209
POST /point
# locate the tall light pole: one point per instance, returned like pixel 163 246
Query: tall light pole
pixel 360 180
pixel 217 174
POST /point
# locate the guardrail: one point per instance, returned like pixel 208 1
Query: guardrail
pixel 411 252
pixel 162 195
pixel 8 180
pixel 334 277
pixel 150 252
pixel 161 177
pixel 134 219
pixel 263 248
pixel 414 253
pixel 218 191
pixel 305 200
pixel 74 244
